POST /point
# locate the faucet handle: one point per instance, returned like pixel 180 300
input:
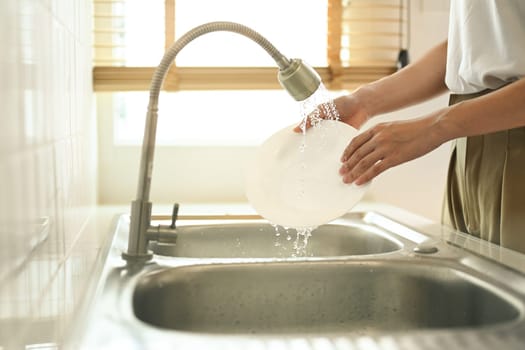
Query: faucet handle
pixel 174 215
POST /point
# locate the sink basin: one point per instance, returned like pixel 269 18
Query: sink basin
pixel 371 285
pixel 312 297
pixel 262 240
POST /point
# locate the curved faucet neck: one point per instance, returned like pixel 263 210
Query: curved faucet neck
pixel 298 79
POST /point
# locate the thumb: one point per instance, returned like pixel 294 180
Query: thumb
pixel 306 125
pixel 298 129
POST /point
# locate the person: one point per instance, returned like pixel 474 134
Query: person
pixel 482 64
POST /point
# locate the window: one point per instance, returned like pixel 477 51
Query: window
pixel 223 81
pixel 204 118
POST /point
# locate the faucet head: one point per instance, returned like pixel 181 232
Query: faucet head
pixel 299 79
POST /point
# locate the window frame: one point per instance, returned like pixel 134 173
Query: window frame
pixel 335 75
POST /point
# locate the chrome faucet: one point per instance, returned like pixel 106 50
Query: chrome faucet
pixel 299 79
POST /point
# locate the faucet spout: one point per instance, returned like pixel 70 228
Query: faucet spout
pixel 296 77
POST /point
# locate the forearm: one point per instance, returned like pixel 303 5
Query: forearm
pixel 500 110
pixel 415 83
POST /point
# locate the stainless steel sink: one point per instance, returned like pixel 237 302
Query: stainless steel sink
pixel 366 282
pixel 262 240
pixel 319 297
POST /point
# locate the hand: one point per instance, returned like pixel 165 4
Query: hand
pixel 351 111
pixel 386 145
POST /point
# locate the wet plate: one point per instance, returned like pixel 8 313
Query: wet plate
pixel 294 179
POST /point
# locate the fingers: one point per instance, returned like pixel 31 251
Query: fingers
pixel 304 125
pixel 365 170
pixel 356 144
pixel 362 160
pixel 384 146
pixel 298 128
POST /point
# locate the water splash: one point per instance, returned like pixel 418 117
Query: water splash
pixel 301 241
pixel 317 107
pixel 277 241
pixel 288 245
pixel 313 110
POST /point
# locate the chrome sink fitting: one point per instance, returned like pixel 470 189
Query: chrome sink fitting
pixel 299 79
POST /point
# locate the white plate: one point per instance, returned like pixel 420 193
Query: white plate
pixel 299 187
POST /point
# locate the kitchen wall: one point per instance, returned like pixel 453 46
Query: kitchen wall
pixel 47 167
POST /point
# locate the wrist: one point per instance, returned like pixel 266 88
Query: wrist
pixel 368 100
pixel 445 126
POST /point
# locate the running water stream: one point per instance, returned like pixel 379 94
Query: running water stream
pixel 313 110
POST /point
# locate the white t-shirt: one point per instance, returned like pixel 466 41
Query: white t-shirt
pixel 486 44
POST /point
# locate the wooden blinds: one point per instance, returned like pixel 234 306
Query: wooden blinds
pixel 108 33
pixel 364 38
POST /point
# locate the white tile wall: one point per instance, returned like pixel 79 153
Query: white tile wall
pixel 47 166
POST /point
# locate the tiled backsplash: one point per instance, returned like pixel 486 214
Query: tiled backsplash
pixel 47 166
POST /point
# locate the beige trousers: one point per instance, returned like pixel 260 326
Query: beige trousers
pixel 485 194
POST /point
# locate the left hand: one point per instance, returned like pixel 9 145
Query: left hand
pixel 386 145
